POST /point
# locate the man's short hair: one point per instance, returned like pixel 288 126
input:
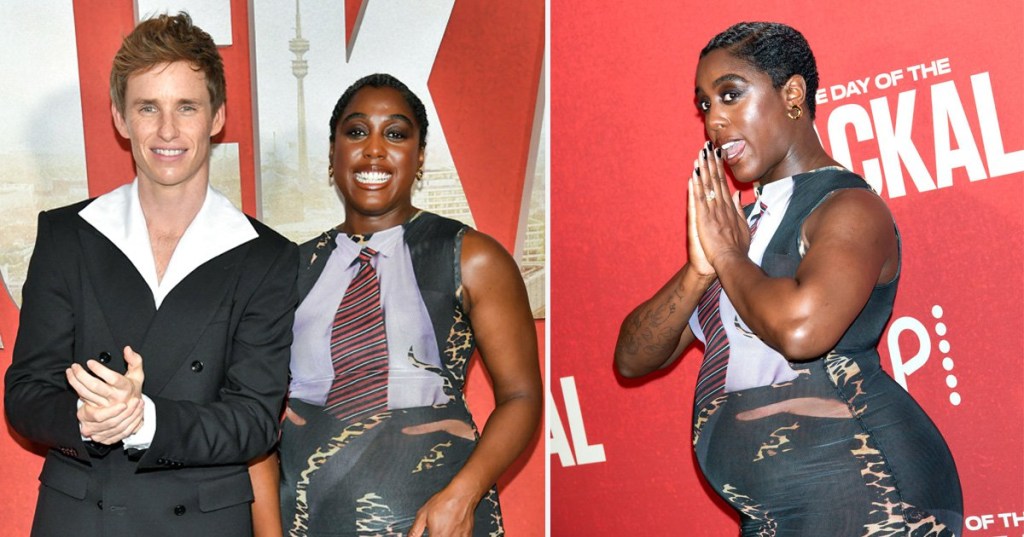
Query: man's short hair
pixel 167 39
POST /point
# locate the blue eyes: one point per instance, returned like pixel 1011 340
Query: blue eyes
pixel 151 109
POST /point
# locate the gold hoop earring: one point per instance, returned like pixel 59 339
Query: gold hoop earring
pixel 795 112
pixel 419 174
pixel 330 175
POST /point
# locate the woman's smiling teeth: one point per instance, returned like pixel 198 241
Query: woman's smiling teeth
pixel 372 178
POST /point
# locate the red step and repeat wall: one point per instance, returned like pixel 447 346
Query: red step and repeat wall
pixel 922 98
pixel 484 83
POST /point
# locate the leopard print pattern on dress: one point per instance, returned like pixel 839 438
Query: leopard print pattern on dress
pixel 746 505
pixel 446 382
pixel 845 373
pixel 497 527
pixel 433 459
pixel 321 244
pixel 300 524
pixel 460 343
pixel 892 517
pixel 705 413
pixel 779 443
pixel 375 517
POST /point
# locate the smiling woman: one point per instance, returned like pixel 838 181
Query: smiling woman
pixel 794 422
pixel 376 154
pixel 378 438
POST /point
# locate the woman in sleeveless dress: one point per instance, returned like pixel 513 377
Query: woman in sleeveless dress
pixel 377 438
pixel 795 424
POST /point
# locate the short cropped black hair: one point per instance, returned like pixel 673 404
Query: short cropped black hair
pixel 774 48
pixel 383 80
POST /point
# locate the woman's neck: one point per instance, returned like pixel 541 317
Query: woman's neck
pixel 804 155
pixel 363 224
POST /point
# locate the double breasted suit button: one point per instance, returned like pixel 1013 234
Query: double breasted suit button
pixel 179 510
pixel 161 461
pixel 100 504
pixel 104 358
pixel 197 366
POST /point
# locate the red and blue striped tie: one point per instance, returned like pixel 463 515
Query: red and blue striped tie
pixel 711 378
pixel 359 348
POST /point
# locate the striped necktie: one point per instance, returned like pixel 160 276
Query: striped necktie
pixel 711 378
pixel 359 348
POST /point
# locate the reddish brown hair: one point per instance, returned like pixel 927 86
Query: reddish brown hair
pixel 167 39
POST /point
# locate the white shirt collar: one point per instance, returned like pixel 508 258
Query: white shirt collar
pixel 216 228
pixel 776 197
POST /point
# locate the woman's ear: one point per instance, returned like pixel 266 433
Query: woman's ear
pixel 795 90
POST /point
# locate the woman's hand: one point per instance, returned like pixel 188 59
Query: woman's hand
pixel 265 474
pixel 721 226
pixel 293 417
pixel 446 514
pixel 694 251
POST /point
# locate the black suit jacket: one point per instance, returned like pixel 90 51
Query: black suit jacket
pixel 215 357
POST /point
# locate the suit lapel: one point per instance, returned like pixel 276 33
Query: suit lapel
pixel 124 298
pixel 186 312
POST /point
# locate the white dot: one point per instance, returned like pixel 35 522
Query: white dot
pixel 937 311
pixel 940 329
pixel 951 381
pixel 947 363
pixel 954 399
pixel 944 346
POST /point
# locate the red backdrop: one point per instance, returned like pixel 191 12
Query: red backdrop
pixel 489 66
pixel 946 149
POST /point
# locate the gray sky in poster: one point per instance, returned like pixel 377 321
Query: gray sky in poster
pixel 401 38
pixel 42 105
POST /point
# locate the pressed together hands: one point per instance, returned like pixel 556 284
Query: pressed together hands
pixel 112 404
pixel 715 228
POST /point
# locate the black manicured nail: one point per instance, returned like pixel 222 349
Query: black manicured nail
pixel 718 152
pixel 697 171
pixel 704 153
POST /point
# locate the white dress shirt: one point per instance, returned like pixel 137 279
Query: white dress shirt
pixel 218 227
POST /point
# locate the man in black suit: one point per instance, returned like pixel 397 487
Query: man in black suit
pixel 152 355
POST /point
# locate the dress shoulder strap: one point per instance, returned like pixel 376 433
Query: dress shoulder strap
pixel 782 256
pixel 435 244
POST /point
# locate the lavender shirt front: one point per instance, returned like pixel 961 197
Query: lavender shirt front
pixel 752 363
pixel 409 331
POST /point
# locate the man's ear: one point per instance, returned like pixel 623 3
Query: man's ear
pixel 219 117
pixel 119 123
